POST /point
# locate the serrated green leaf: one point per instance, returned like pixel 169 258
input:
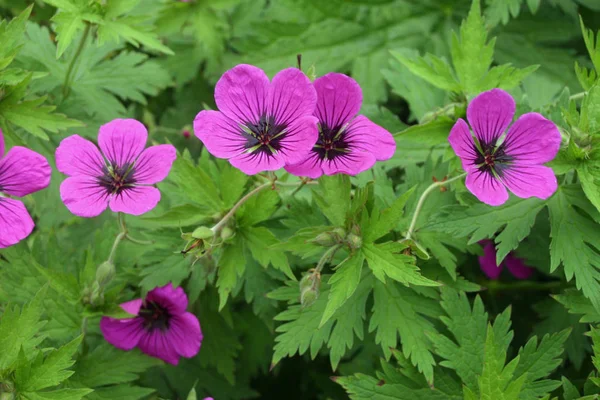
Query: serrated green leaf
pixel 60 394
pixel 382 222
pixel 333 197
pixel 433 69
pixel 231 266
pixel 589 175
pixel 11 37
pixel 432 133
pixel 259 208
pixel 262 242
pixel 343 284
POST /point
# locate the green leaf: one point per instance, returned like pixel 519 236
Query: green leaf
pixel 589 120
pixel 573 238
pixel 11 37
pixel 231 266
pixel 343 284
pixel 261 242
pixel 471 55
pixel 399 267
pixel 399 310
pixel 259 208
pixel 593 46
pixel 333 197
pixel 383 222
pixel 433 69
pixel 48 371
pixel 60 394
pixel 232 183
pixel 68 25
pixel 432 133
pixel 515 219
pixel 589 175
pixel 19 329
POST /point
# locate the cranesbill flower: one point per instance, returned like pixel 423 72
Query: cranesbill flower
pixel 516 266
pixel 260 125
pixel 494 161
pixel 161 327
pixel 22 171
pixel 347 143
pixel 120 177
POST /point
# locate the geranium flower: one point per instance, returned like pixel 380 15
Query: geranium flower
pixel 22 172
pixel 261 125
pixel 161 327
pixel 516 266
pixel 347 143
pixel 494 161
pixel 121 178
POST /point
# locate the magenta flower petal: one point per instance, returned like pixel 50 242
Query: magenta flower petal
pixel 154 164
pixel 494 162
pixel 124 334
pixel 171 298
pixel 368 136
pixel 532 140
pixel 186 334
pixel 487 262
pixel 353 163
pixel 241 93
pixel 353 143
pixel 490 113
pixel 78 156
pixel 15 222
pixel 220 135
pixel 531 181
pixel 462 143
pixel 122 140
pixel 162 327
pixel 517 267
pixel 83 196
pixel 137 200
pixel 291 96
pixel 261 126
pixel 23 171
pixel 339 99
pixel 486 188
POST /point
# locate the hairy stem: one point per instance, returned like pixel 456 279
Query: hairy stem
pixel 577 96
pixel 237 205
pixel 328 256
pixel 426 193
pixel 68 76
pixel 118 239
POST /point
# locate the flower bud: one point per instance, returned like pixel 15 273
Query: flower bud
pixel 308 297
pixel 227 233
pixel 97 296
pixel 325 239
pixel 105 273
pixel 354 241
pixel 340 232
pixel 203 232
pixel 309 288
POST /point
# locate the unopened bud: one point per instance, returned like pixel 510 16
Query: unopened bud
pixel 226 233
pixel 308 297
pixel 325 239
pixel 203 232
pixel 340 232
pixel 97 296
pixel 105 273
pixel 309 285
pixel 354 241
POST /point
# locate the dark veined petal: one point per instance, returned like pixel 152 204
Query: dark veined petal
pixel 122 140
pixel 154 164
pixel 365 135
pixel 490 113
pixel 135 200
pixel 486 188
pixel 78 156
pixel 532 139
pixel 84 196
pixel 339 99
pixel 291 96
pixel 462 143
pixel 23 171
pixel 15 222
pixel 221 135
pixel 241 93
pixel 530 181
pixel 124 334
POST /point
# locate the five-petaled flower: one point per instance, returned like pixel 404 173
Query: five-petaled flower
pixel 161 328
pixel 347 143
pixel 515 265
pixel 122 180
pixel 494 161
pixel 260 125
pixel 22 171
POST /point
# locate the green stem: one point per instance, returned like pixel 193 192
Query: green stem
pixel 118 239
pixel 67 83
pixel 237 205
pixel 496 286
pixel 577 96
pixel 138 241
pixel 426 193
pixel 328 256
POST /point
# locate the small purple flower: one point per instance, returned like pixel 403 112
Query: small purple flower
pixel 121 178
pixel 494 161
pixel 261 125
pixel 516 266
pixel 347 143
pixel 22 172
pixel 162 328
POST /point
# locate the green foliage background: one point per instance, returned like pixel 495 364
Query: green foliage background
pixel 393 320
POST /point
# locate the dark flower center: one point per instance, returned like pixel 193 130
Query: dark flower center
pixel 492 159
pixel 116 179
pixel 264 136
pixel 332 142
pixel 155 316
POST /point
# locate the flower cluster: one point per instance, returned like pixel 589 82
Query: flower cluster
pixel 22 172
pixel 310 129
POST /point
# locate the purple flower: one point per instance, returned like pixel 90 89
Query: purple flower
pixel 494 161
pixel 121 178
pixel 516 266
pixel 22 171
pixel 347 143
pixel 261 125
pixel 162 328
